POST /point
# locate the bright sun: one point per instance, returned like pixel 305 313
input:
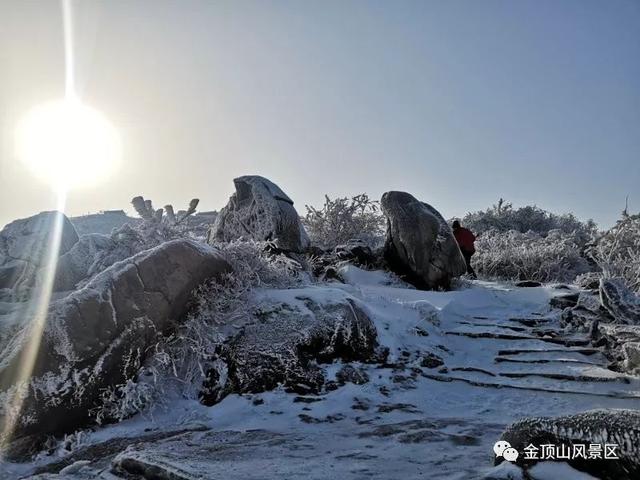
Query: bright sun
pixel 68 144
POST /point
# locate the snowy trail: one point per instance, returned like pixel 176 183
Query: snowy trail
pixel 505 357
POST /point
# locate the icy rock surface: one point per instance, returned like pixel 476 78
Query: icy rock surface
pixel 621 303
pixel 284 342
pixel 103 222
pixel 420 244
pixel 612 318
pixel 622 344
pixel 97 337
pixel 90 255
pixel 326 264
pixel 24 246
pixel 260 210
pixel 621 427
pixel 586 312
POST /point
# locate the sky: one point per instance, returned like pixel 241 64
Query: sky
pixel 458 102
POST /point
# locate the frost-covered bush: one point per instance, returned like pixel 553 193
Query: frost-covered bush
pixel 343 219
pixel 163 224
pixel 502 217
pixel 617 251
pixel 514 255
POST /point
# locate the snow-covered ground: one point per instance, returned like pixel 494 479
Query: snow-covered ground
pixel 504 358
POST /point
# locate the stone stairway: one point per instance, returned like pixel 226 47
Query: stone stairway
pixel 530 353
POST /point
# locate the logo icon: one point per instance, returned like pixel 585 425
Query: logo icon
pixel 504 449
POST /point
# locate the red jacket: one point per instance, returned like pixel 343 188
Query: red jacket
pixel 465 239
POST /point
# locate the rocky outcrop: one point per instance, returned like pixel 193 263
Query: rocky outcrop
pixel 528 284
pixel 420 245
pixel 285 341
pixel 104 222
pixel 612 317
pixel 584 313
pixel 260 210
pixel 620 427
pixel 95 252
pixel 588 280
pixel 620 302
pixel 86 259
pixel 97 337
pixel 622 345
pixel 325 264
pixel 25 247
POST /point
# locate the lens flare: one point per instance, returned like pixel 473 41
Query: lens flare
pixel 68 144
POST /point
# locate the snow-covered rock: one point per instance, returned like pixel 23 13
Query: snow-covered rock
pixel 25 244
pixel 94 252
pixel 620 301
pixel 83 260
pixel 619 427
pixel 260 210
pixel 420 245
pixel 103 222
pixel 285 340
pixel 98 337
pixel 586 312
pixel 622 344
pixel 326 264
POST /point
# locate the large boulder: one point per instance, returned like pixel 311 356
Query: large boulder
pixel 93 253
pixel 620 301
pixel 619 427
pixel 96 338
pixel 420 245
pixel 584 314
pixel 260 210
pixel 104 222
pixel 621 344
pixel 285 341
pixel 25 247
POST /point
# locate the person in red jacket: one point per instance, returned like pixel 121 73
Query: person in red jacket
pixel 466 242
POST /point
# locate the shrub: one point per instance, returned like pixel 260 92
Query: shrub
pixel 502 217
pixel 513 255
pixel 343 219
pixel 617 251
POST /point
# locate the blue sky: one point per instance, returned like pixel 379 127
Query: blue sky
pixel 457 102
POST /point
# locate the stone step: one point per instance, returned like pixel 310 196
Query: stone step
pixel 501 328
pixel 543 360
pixel 518 351
pixel 576 372
pixel 563 376
pixel 569 342
pixel 505 384
pixel 496 325
pixel 531 322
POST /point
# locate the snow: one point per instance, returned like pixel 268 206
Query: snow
pixel 434 424
pixel 556 471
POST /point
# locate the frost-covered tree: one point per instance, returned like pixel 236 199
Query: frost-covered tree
pixel 514 255
pixel 617 251
pixel 343 219
pixel 503 217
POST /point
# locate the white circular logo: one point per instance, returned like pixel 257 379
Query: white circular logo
pixel 504 449
pixel 510 454
pixel 500 446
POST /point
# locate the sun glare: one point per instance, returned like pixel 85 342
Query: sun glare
pixel 68 144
